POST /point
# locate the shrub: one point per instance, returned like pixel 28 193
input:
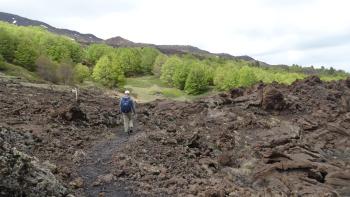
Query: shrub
pixel 196 82
pixel 209 75
pixel 226 77
pixel 47 69
pixel 81 73
pixel 247 76
pixel 65 72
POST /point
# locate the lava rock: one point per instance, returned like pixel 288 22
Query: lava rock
pixel 273 99
pixel 347 82
pixel 23 175
pixel 77 183
pixel 72 112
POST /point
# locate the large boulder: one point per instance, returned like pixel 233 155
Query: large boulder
pixel 273 99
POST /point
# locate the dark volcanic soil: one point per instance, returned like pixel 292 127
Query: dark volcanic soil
pixel 96 169
pixel 267 140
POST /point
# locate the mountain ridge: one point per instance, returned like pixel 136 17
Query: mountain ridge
pixel 119 41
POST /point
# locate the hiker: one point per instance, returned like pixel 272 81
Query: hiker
pixel 127 108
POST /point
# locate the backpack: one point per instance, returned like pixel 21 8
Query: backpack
pixel 126 105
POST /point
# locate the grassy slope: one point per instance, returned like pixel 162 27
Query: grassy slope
pixel 148 88
pixel 17 71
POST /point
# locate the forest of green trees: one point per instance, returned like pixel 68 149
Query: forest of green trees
pixel 61 60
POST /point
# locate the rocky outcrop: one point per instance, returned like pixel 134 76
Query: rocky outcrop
pixel 71 112
pixel 347 82
pixel 23 175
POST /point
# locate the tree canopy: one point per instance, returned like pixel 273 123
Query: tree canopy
pixel 109 71
pixel 60 59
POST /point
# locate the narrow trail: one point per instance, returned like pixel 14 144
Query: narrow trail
pixel 99 162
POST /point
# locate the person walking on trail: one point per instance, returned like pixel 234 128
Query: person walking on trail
pixel 127 108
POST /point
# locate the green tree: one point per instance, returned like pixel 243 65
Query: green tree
pixel 56 49
pixel 331 71
pixel 148 57
pixel 130 60
pixel 196 82
pixel 180 75
pixel 158 63
pixel 95 51
pixel 168 69
pixel 76 52
pixel 81 73
pixel 8 45
pixel 25 54
pixel 108 71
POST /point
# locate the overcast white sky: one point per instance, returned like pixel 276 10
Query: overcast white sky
pixel 306 32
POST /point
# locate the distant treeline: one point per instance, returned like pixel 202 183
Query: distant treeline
pixel 60 59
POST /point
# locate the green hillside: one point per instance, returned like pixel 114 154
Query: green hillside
pixel 36 54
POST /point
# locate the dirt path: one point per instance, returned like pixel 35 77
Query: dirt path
pixel 98 163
